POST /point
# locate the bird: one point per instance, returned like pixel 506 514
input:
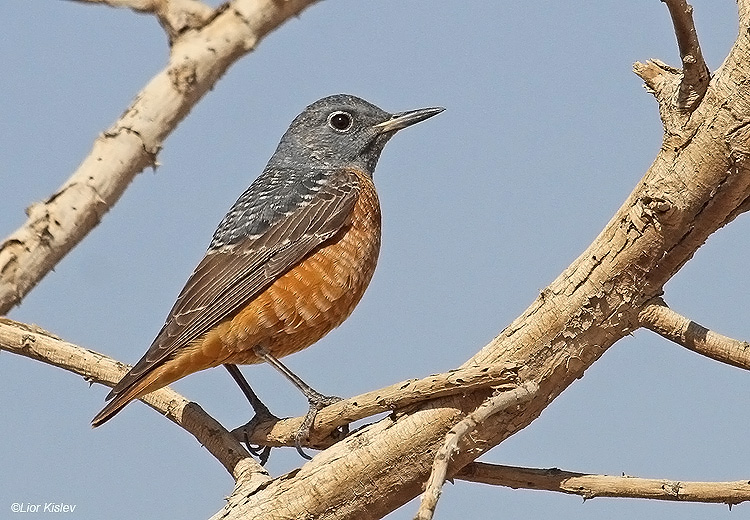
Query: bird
pixel 289 261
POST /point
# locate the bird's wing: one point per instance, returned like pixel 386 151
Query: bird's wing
pixel 232 275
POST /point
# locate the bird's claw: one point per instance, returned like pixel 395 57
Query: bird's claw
pixel 259 450
pixel 317 402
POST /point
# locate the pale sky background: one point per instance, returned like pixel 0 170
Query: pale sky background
pixel 546 132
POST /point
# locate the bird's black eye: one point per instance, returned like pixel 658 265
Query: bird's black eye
pixel 340 121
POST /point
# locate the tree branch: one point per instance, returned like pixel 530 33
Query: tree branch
pixel 36 343
pixel 397 396
pixel 695 73
pixel 175 16
pixel 197 61
pixel 41 345
pixel 593 486
pixel 497 403
pixel 659 318
pixel 678 92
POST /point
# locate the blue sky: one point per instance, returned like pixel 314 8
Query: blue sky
pixel 546 132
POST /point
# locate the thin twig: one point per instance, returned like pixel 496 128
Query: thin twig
pixel 592 486
pixel 489 407
pixel 175 16
pixel 695 73
pixel 679 92
pixel 659 318
pixel 139 6
pixel 36 343
pixel 399 395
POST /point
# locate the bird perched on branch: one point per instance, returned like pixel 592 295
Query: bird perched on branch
pixel 289 261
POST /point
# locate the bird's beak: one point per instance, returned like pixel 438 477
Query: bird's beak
pixel 404 119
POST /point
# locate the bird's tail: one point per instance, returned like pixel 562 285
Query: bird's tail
pixel 119 398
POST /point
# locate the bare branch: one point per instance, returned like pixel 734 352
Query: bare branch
pixel 659 318
pixel 39 344
pixel 694 69
pixel 36 343
pixel 678 92
pixel 175 16
pixel 198 59
pixel 140 6
pixel 399 395
pixel 491 406
pixel 592 486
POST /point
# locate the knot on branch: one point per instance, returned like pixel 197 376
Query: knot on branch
pixel 649 210
pixel 184 77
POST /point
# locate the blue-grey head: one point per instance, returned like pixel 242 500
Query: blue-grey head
pixel 341 131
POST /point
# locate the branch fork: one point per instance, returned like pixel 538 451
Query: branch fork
pixel 678 91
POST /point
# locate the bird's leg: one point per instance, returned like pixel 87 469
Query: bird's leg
pixel 262 413
pixel 316 400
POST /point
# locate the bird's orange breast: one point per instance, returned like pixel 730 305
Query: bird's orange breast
pixel 305 303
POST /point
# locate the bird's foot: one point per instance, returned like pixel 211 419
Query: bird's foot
pixel 320 401
pixel 317 402
pixel 259 450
